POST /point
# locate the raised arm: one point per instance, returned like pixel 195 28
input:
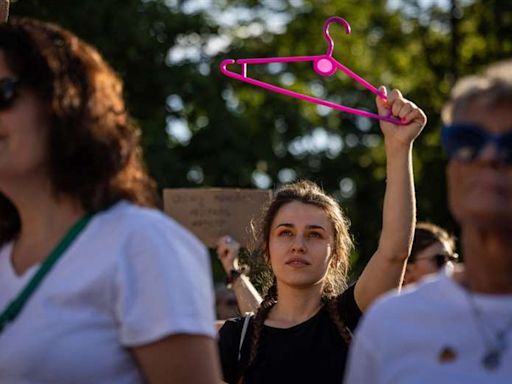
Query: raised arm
pixel 385 269
pixel 247 296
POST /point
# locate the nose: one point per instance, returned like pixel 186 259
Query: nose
pixel 489 154
pixel 298 244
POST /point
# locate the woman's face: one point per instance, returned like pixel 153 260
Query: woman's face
pixel 23 134
pixel 480 190
pixel 300 245
pixel 426 261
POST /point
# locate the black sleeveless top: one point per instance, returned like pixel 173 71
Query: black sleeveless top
pixel 309 352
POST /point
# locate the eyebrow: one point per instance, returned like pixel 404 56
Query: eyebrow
pixel 311 226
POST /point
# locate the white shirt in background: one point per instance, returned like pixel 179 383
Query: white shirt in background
pixel 430 335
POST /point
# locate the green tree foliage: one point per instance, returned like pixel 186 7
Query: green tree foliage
pixel 203 129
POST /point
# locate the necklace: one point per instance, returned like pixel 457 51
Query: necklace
pixel 495 341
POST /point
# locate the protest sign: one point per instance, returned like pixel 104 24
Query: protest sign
pixel 210 213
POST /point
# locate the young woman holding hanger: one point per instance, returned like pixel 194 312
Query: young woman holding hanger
pixel 95 285
pixel 302 328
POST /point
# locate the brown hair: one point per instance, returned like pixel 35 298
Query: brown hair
pixel 427 234
pixel 306 192
pixel 492 88
pixel 94 154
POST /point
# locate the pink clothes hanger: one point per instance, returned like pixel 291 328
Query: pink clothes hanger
pixel 324 65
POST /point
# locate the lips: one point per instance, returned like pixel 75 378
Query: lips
pixel 297 262
pixel 491 181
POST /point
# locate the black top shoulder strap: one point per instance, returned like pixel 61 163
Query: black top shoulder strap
pixel 247 320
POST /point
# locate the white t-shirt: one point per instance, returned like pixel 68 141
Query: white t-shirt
pixel 132 277
pixel 430 335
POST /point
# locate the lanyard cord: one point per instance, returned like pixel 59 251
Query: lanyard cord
pixel 17 304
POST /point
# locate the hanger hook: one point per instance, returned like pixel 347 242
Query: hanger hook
pixel 328 37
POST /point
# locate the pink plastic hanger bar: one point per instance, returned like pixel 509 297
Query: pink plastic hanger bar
pixel 324 65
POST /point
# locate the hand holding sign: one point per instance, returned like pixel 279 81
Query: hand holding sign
pixel 4 10
pixel 227 251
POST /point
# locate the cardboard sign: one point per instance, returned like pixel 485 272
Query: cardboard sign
pixel 214 212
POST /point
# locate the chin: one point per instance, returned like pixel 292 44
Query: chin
pixel 482 211
pixel 302 282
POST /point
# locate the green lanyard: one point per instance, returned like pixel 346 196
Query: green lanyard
pixel 16 305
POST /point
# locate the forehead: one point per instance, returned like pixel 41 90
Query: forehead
pixel 298 213
pixel 439 247
pixel 493 117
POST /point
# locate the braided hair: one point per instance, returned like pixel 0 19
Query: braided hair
pixel 335 281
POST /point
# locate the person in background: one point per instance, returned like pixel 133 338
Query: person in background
pixel 225 303
pixel 247 297
pixel 96 285
pixel 457 328
pixel 433 249
pixel 302 328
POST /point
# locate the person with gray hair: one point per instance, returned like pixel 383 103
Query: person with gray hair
pixel 457 328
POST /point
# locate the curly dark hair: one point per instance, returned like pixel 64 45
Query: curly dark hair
pixel 94 154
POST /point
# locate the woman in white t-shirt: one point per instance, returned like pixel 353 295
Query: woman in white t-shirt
pixel 95 285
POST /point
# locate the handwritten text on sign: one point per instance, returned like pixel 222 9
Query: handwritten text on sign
pixel 214 212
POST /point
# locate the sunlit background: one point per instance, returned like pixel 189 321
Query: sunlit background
pixel 203 129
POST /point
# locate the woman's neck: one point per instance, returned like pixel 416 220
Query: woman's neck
pixel 488 259
pixel 294 306
pixel 45 218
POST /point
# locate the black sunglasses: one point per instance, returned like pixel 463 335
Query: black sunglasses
pixel 439 259
pixel 465 141
pixel 8 91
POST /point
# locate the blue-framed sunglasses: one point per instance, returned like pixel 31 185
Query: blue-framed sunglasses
pixel 465 141
pixel 8 91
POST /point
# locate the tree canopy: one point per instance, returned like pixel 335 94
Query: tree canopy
pixel 203 129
